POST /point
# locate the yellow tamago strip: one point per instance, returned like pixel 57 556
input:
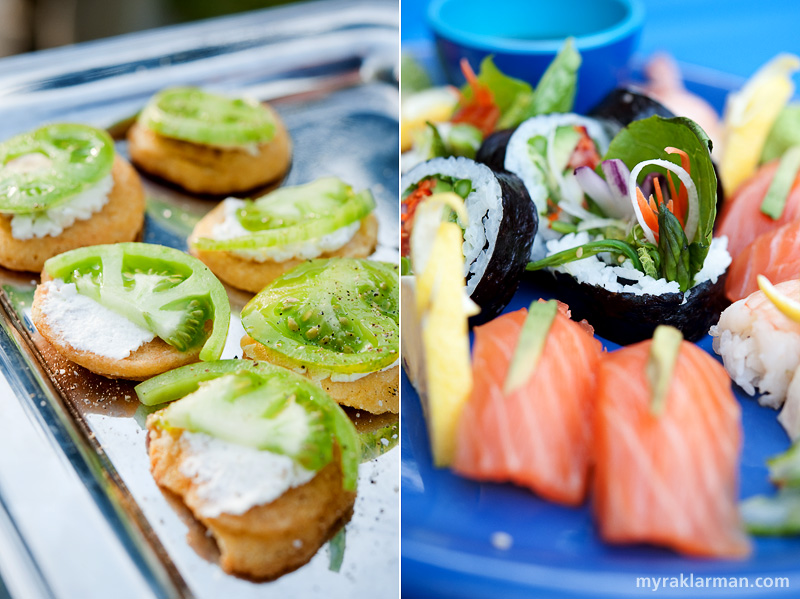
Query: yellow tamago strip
pixel 749 116
pixel 446 341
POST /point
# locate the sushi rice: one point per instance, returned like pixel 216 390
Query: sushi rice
pixel 624 278
pixel 760 348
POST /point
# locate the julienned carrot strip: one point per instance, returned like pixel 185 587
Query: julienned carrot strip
pixel 480 111
pixel 681 214
pixel 660 197
pixel 483 95
pixel 684 158
pixel 657 188
pixel 683 194
pixel 647 213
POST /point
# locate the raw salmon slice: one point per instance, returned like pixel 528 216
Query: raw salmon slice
pixel 669 479
pixel 539 436
pixel 741 218
pixel 776 255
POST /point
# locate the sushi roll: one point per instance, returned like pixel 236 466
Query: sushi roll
pixel 760 347
pixel 264 459
pixel 544 152
pixel 208 143
pixel 131 310
pixel 435 331
pixel 644 253
pixel 336 321
pixel 62 187
pixel 666 447
pixel 498 233
pixel 528 419
pixel 248 244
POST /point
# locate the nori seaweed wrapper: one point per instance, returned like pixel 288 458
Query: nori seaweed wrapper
pixel 623 106
pixel 492 152
pixel 626 318
pixel 511 253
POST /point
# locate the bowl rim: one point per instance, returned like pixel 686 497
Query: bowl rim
pixel 627 26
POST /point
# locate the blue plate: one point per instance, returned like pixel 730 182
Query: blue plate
pixel 448 523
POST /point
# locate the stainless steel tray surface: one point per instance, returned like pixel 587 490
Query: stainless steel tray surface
pixel 80 515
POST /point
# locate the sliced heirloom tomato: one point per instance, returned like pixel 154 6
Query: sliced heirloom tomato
pixel 46 167
pixel 338 315
pixel 296 214
pixel 259 405
pixel 197 116
pixel 158 288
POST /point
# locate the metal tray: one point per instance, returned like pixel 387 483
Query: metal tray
pixel 80 514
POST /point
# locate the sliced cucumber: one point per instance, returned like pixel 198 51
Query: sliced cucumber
pixel 259 405
pixel 191 114
pixel 161 289
pixel 337 315
pixel 62 161
pixel 776 515
pixel 296 214
pixel 564 142
pixel 443 184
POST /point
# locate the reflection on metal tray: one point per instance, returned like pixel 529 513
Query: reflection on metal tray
pixel 328 68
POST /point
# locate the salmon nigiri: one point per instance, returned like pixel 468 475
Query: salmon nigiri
pixel 776 255
pixel 741 219
pixel 539 434
pixel 666 449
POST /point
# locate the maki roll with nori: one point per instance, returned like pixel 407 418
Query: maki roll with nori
pixel 498 233
pixel 544 152
pixel 623 106
pixel 645 256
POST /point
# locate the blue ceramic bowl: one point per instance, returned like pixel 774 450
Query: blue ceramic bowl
pixel 525 35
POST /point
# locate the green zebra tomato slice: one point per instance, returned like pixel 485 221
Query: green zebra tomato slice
pixel 159 288
pixel 258 405
pixel 296 214
pixel 336 315
pixel 197 116
pixel 46 167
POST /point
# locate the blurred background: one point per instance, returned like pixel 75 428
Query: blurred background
pixel 730 36
pixel 27 25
